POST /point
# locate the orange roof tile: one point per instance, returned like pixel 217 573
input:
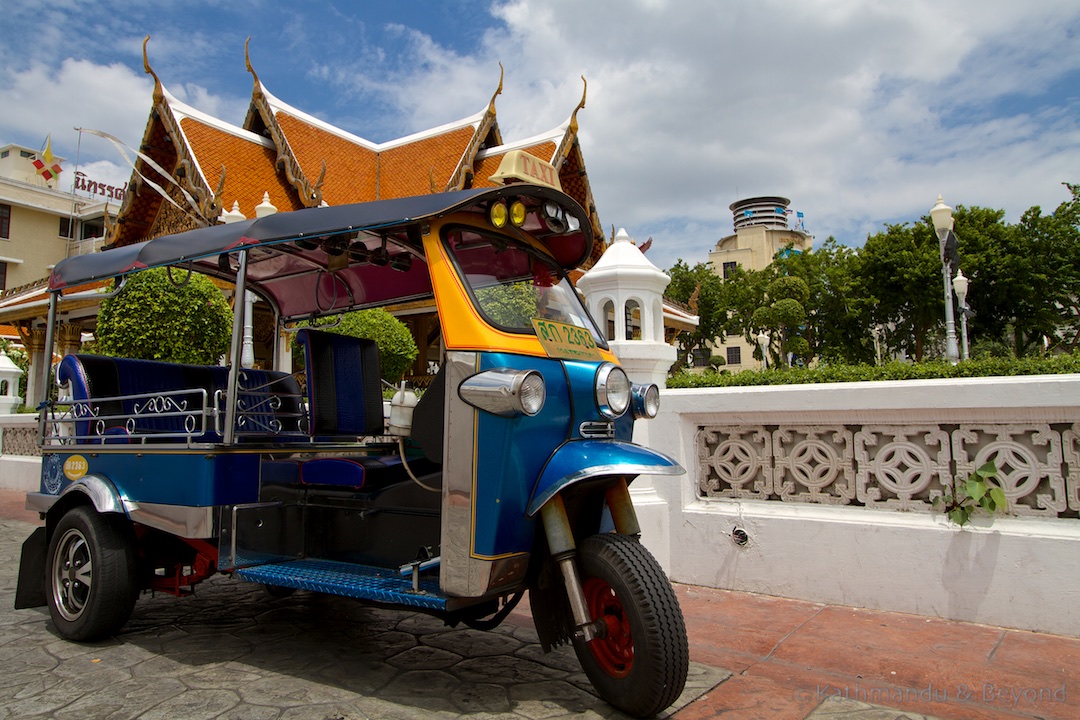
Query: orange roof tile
pixel 250 168
pixel 409 169
pixel 351 170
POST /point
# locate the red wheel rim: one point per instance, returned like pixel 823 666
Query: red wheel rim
pixel 615 652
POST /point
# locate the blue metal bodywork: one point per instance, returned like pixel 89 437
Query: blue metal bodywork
pixel 512 451
pixel 181 478
pixel 524 461
pixel 583 459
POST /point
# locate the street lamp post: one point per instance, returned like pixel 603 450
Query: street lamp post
pixel 942 217
pixel 960 285
pixel 763 343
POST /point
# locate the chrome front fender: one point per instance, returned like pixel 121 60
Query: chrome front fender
pixel 583 459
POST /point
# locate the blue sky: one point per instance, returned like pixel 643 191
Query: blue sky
pixel 861 113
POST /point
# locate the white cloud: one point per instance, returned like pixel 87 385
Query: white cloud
pixel 79 93
pixel 859 112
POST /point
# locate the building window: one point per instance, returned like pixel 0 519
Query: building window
pixel 5 221
pixel 734 356
pixel 633 320
pixel 26 154
pixel 4 154
pixel 729 267
pixel 3 276
pixel 65 228
pixel 701 357
pixel 609 318
pixel 94 228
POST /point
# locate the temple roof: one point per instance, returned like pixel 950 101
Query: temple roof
pixel 302 161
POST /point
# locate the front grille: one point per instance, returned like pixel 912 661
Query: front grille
pixel 597 429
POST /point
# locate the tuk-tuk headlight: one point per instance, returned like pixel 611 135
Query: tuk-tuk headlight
pixel 645 402
pixel 506 392
pixel 612 391
pixel 498 214
pixel 518 213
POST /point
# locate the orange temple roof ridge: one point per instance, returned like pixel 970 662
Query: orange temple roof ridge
pixel 299 161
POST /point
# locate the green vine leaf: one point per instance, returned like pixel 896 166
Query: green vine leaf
pixel 971 494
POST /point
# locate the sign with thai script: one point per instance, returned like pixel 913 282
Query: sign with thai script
pixel 566 342
pixel 93 187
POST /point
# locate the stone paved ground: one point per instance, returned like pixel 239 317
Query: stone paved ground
pixel 233 652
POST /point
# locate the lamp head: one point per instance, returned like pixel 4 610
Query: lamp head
pixel 942 217
pixel 960 286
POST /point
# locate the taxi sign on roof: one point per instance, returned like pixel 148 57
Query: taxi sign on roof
pixel 520 166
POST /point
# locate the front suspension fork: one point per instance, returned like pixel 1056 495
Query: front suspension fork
pixel 564 550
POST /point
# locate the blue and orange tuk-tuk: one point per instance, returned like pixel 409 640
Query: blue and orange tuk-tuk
pixel 509 474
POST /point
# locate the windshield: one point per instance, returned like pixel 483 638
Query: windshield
pixel 512 286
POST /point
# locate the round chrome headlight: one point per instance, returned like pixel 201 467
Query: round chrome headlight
pixel 646 401
pixel 532 393
pixel 612 391
pixel 504 391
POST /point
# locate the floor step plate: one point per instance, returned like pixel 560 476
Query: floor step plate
pixel 356 581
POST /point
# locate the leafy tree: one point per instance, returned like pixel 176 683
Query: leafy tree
pixel 1050 245
pixel 901 275
pixel 766 301
pixel 749 310
pixel 155 318
pixel 703 290
pixel 397 348
pixel 837 325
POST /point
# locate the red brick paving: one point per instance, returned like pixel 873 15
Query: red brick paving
pixel 787 656
pixel 13 507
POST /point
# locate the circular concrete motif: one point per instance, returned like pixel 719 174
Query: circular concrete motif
pixel 903 469
pixel 813 464
pixel 735 462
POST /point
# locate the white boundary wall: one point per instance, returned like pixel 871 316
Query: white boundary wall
pixel 1019 571
pixel 20 459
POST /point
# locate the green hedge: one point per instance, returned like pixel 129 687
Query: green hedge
pixel 988 367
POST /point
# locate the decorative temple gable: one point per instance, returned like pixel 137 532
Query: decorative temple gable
pixel 262 120
pixel 301 161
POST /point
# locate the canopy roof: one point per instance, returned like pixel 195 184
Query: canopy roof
pixel 330 259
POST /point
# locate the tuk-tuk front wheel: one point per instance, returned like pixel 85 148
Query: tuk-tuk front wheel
pixel 639 664
pixel 90 575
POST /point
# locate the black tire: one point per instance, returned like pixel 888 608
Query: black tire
pixel 641 666
pixel 90 578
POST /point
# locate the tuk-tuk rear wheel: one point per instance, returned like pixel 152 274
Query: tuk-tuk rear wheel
pixel 640 663
pixel 90 576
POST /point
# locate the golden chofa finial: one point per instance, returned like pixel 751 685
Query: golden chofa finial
pixel 158 90
pixel 580 105
pixel 498 91
pixel 247 59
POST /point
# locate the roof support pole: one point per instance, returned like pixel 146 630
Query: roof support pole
pixel 43 386
pixel 235 349
pixel 50 334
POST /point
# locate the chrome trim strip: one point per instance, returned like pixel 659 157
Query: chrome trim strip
pixel 456 575
pixel 40 502
pixel 180 520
